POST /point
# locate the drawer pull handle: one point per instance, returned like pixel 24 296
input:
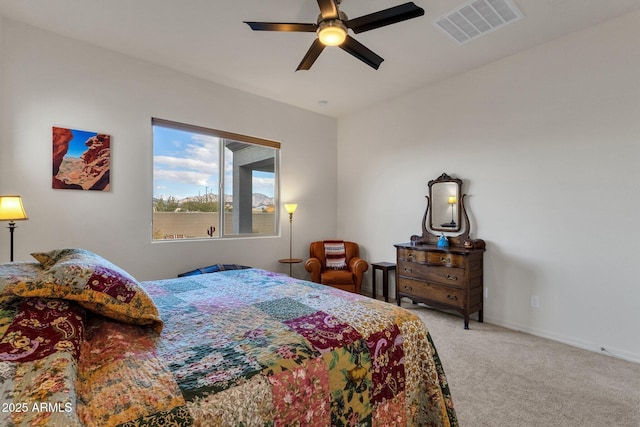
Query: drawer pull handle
pixel 409 288
pixel 450 277
pixel 452 297
pixel 408 270
pixel 445 260
pixel 411 257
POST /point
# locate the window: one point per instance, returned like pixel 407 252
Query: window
pixel 195 198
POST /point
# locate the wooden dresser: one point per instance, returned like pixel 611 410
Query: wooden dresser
pixel 445 278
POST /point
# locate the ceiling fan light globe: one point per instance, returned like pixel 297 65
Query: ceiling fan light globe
pixel 332 33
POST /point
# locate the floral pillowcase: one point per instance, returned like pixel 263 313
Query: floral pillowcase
pixel 13 274
pixel 88 279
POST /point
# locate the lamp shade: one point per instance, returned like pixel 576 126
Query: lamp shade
pixel 290 207
pixel 11 208
pixel 452 200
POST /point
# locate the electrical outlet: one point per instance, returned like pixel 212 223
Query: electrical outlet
pixel 535 301
pixel 486 293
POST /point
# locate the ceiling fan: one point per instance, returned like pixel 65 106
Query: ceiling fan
pixel 332 26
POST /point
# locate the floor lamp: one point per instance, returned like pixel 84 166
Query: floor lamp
pixel 290 208
pixel 11 210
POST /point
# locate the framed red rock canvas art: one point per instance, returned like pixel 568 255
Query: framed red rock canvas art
pixel 81 160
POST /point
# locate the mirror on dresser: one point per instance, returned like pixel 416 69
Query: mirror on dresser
pixel 445 204
pixel 446 277
pixel 445 213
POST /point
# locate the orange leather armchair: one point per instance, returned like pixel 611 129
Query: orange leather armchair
pixel 349 279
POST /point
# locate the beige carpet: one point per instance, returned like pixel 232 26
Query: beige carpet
pixel 500 377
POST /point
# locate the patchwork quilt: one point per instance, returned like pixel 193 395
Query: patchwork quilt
pixel 235 348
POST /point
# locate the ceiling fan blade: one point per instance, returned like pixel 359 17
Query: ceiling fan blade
pixel 361 52
pixel 385 17
pixel 282 26
pixel 312 54
pixel 328 9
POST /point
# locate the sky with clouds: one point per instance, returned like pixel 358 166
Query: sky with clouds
pixel 187 164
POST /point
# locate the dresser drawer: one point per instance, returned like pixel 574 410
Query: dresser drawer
pixel 412 255
pixel 431 257
pixel 433 292
pixel 443 258
pixel 450 276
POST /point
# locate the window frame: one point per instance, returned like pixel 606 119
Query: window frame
pixel 223 137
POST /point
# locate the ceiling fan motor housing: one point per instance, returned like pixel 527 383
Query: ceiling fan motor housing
pixel 332 32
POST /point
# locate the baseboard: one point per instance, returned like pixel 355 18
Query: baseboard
pixel 585 345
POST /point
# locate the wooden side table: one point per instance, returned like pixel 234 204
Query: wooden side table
pixel 290 261
pixel 385 267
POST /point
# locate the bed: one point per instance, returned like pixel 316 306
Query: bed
pixel 85 344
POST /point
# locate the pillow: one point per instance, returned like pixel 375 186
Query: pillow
pixel 15 273
pixel 94 283
pixel 48 259
pixel 213 269
pixel 335 254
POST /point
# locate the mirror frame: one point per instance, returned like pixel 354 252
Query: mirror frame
pixel 457 236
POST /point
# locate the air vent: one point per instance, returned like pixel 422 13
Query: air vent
pixel 476 18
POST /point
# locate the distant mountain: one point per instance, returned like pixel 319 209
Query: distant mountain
pixel 257 200
pixel 260 200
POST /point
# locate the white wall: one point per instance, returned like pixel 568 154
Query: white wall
pixel 48 80
pixel 548 144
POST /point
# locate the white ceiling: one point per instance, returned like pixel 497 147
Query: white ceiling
pixel 208 39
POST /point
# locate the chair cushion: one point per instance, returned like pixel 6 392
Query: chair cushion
pixel 337 277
